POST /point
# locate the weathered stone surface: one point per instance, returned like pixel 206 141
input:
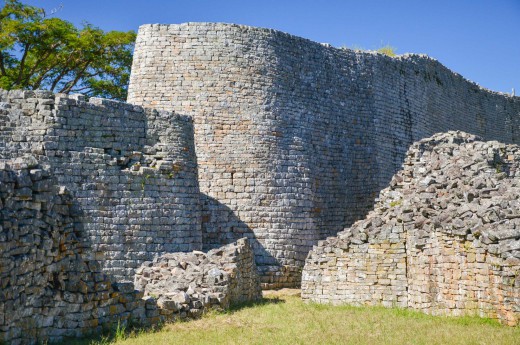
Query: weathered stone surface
pixel 189 283
pixel 294 138
pixel 48 290
pixel 131 172
pixel 442 238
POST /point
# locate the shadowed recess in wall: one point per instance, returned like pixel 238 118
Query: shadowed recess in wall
pixel 220 226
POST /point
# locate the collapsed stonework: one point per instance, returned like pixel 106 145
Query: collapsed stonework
pixel 187 284
pixel 294 138
pixel 443 238
pixel 49 288
pixel 88 192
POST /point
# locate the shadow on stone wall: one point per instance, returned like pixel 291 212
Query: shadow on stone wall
pixel 220 226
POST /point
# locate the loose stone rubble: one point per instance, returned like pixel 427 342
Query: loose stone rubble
pixel 443 238
pixel 187 284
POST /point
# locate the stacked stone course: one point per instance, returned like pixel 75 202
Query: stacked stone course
pixel 132 172
pixel 443 238
pixel 47 290
pixel 291 141
pixel 295 138
pixel 89 191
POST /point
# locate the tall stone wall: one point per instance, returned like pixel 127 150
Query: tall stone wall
pixel 443 238
pixel 295 138
pixel 132 173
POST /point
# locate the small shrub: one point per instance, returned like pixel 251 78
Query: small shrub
pixel 387 50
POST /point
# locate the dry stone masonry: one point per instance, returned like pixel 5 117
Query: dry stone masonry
pixel 187 284
pixel 131 172
pixel 47 290
pixel 294 138
pixel 235 132
pixel 443 238
pixel 90 191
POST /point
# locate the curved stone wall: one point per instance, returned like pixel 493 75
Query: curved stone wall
pixel 51 289
pixel 132 173
pixel 443 238
pixel 295 138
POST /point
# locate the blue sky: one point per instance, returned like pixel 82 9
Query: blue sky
pixel 479 39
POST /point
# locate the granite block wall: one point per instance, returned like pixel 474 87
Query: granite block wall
pixel 48 291
pixel 132 173
pixel 51 289
pixel 443 238
pixel 295 138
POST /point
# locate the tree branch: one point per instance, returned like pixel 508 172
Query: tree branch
pixel 79 75
pixel 39 61
pixel 43 75
pixel 2 66
pixel 22 63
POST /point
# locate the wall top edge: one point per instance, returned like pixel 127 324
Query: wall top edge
pixel 78 99
pixel 170 29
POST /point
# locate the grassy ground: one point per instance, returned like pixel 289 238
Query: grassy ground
pixel 282 318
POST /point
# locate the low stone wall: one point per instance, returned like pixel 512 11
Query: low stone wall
pixel 444 238
pixel 47 290
pixel 52 288
pixel 187 284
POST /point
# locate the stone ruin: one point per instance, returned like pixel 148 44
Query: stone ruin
pixel 443 238
pixel 230 132
pixel 84 203
pixel 186 284
pixel 294 138
pixel 51 288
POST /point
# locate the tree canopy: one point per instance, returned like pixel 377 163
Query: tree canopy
pixel 38 51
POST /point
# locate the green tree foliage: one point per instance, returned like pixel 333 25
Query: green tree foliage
pixel 42 52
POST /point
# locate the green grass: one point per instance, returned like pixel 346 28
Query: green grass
pixel 284 319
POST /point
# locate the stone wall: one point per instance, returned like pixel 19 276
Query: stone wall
pixel 132 173
pixel 47 289
pixel 295 138
pixel 443 238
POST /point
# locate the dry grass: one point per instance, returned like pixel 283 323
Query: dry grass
pixel 282 318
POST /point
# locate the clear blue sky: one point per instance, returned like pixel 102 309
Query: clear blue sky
pixel 479 39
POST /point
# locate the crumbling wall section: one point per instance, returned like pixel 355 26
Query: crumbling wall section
pixel 48 290
pixel 444 238
pixel 189 284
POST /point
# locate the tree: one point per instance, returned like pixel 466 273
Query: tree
pixel 42 52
